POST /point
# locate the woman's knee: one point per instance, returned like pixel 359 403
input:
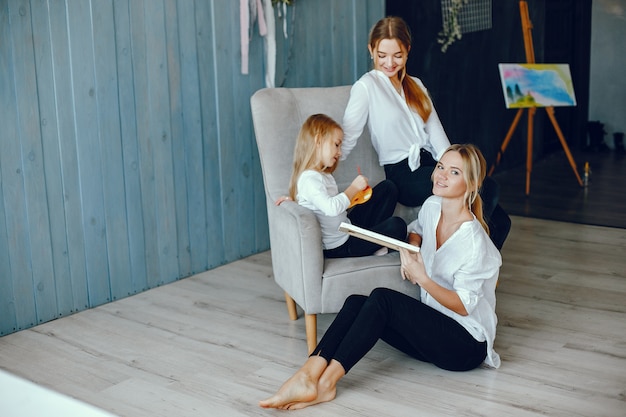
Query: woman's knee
pixel 354 302
pixel 381 295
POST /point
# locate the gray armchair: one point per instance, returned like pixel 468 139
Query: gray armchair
pixel 316 284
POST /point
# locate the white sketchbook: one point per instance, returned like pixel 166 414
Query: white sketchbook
pixel 374 237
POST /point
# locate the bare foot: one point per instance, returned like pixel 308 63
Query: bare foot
pixel 299 388
pixel 325 393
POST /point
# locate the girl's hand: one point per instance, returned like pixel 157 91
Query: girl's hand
pixel 412 267
pixel 360 182
pixel 281 199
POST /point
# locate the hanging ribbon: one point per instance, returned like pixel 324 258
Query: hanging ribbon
pixel 249 11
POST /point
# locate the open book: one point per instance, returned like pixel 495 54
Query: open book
pixel 383 240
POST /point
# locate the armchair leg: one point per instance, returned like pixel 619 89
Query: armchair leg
pixel 310 321
pixel 291 307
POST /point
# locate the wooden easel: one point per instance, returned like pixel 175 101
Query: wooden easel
pixel 530 57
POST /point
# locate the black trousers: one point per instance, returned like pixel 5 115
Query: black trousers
pixel 404 323
pixel 376 215
pixel 416 186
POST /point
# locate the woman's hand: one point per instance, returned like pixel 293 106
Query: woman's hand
pixel 412 267
pixel 414 239
pixel 281 199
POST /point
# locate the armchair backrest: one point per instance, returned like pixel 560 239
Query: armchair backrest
pixel 278 114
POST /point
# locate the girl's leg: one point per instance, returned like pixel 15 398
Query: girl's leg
pixel 375 215
pixel 379 208
pixel 355 247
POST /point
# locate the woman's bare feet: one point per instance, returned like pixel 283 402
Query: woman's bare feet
pixel 314 383
pixel 298 388
pixel 301 387
pixel 325 392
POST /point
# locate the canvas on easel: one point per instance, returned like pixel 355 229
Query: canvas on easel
pixel 547 87
pixel 537 85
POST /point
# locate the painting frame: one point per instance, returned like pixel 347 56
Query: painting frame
pixel 537 85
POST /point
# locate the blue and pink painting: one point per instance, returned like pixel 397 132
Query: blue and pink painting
pixel 537 85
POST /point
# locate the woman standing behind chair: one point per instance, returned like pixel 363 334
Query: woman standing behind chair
pixel 401 118
pixel 403 124
pixel 452 325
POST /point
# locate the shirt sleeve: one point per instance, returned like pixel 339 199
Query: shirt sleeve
pixel 313 190
pixel 438 138
pixel 469 280
pixel 354 118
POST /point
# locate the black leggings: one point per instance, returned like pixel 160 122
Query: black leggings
pixel 376 215
pixel 404 323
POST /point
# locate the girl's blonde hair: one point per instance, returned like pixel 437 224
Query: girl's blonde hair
pixel 396 28
pixel 317 129
pixel 474 171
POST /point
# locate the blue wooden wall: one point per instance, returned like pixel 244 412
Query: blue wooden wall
pixel 127 153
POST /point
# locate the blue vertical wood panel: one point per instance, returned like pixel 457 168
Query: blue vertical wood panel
pixel 138 280
pixel 88 146
pixel 225 56
pixel 66 137
pixel 60 278
pixel 110 145
pixel 160 133
pixel 8 233
pixel 128 155
pixel 253 233
pixel 191 137
pixel 178 144
pixel 21 173
pixel 207 37
pixel 145 149
pixel 33 169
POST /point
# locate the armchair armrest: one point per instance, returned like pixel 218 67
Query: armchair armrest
pixel 297 257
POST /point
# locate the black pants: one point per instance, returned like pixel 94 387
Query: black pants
pixel 416 186
pixel 404 323
pixel 376 215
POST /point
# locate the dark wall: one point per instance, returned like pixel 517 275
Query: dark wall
pixel 465 84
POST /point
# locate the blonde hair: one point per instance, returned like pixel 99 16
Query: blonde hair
pixel 474 172
pixel 396 28
pixel 317 129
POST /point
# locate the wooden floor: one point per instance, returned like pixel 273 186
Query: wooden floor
pixel 216 343
pixel 555 193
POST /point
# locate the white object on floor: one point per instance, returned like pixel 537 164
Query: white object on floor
pixel 22 398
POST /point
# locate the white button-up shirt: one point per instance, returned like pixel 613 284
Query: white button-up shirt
pixel 397 132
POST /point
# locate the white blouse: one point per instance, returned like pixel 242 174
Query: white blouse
pixel 397 132
pixel 468 263
pixel 319 192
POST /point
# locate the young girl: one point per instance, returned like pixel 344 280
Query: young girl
pixel 452 325
pixel 312 185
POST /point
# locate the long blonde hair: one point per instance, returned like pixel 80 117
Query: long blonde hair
pixel 317 129
pixel 474 171
pixel 393 27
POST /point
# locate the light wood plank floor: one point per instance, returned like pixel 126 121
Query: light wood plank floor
pixel 216 343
